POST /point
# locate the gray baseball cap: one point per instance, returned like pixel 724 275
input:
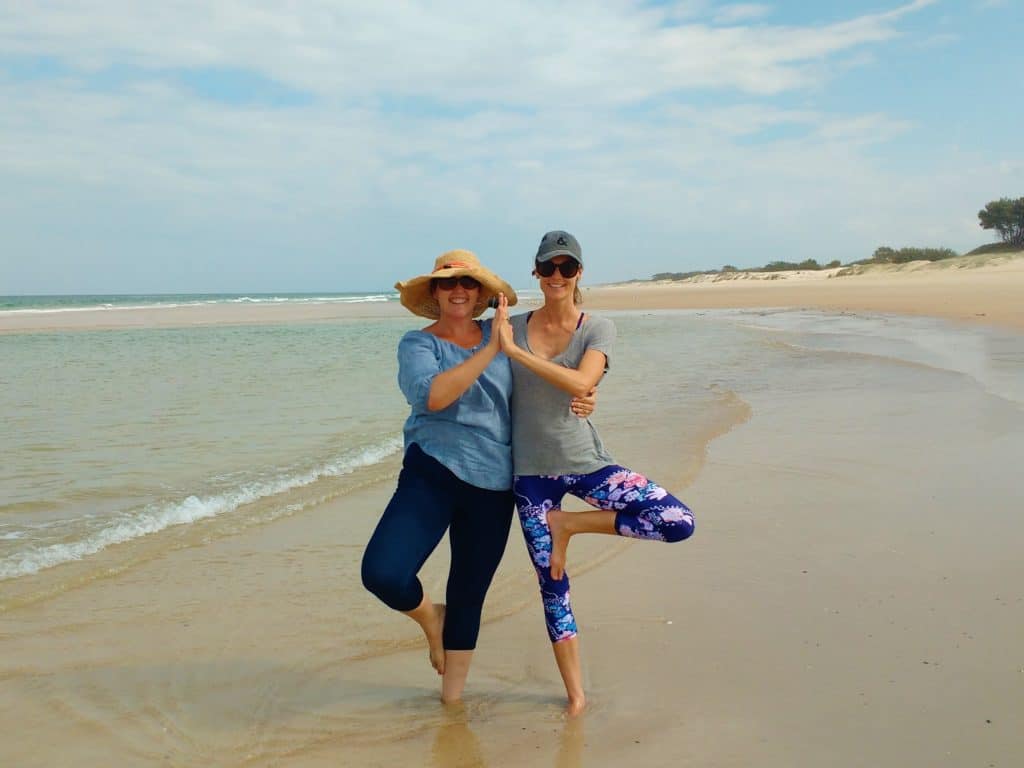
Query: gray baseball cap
pixel 558 243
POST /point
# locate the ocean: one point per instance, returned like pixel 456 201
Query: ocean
pixel 163 435
pixel 87 302
pixel 118 439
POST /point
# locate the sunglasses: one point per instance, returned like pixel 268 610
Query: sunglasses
pixel 566 268
pixel 449 283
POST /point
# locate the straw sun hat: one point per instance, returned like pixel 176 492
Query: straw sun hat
pixel 415 292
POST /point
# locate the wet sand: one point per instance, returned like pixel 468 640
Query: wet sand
pixel 853 596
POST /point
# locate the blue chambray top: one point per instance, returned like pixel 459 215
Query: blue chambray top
pixel 473 435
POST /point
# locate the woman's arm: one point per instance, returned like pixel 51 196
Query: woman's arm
pixel 448 386
pixel 578 382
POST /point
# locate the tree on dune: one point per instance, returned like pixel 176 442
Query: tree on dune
pixel 1006 217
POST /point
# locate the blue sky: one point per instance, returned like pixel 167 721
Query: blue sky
pixel 327 145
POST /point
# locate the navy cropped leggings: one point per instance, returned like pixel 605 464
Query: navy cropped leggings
pixel 430 500
pixel 643 510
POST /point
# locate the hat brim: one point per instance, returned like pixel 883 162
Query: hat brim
pixel 416 297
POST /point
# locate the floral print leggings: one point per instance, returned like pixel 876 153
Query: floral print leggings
pixel 643 510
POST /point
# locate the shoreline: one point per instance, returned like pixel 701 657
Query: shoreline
pixel 976 290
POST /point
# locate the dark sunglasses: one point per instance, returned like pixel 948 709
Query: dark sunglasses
pixel 566 268
pixel 449 283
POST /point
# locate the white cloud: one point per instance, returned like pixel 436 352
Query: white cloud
pixel 733 14
pixel 583 58
pixel 938 40
pixel 449 119
pixel 526 54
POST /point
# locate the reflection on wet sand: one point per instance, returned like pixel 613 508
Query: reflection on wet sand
pixel 456 746
pixel 570 749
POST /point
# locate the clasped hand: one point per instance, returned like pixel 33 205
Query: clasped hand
pixel 502 337
pixel 501 328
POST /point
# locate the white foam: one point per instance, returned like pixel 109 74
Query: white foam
pixel 104 307
pixel 91 308
pixel 155 518
pixel 307 299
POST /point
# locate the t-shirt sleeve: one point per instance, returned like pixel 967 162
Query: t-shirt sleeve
pixel 601 336
pixel 418 364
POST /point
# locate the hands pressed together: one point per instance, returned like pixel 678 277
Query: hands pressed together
pixel 501 328
pixel 502 338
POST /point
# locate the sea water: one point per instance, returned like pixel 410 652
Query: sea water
pixel 115 435
pixel 119 442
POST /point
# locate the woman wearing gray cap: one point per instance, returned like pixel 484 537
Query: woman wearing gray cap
pixel 559 352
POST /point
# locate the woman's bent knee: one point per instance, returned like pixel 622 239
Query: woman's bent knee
pixel 676 533
pixel 373 577
pixel 676 522
pixel 381 580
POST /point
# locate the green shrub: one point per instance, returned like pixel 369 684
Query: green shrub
pixel 996 248
pixel 887 255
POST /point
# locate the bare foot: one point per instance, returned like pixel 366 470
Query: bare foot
pixel 576 705
pixel 435 639
pixel 559 541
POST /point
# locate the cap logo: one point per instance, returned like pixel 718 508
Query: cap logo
pixel 560 241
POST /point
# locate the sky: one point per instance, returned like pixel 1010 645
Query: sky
pixel 327 145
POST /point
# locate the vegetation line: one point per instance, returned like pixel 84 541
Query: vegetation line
pixel 1005 216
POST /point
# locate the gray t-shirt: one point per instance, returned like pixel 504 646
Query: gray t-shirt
pixel 547 437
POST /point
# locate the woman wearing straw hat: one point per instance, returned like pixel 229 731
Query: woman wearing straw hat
pixel 457 470
pixel 557 352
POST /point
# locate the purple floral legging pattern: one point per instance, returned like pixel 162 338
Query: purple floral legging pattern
pixel 643 510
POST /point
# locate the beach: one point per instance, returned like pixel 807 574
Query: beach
pixel 853 594
pixel 983 289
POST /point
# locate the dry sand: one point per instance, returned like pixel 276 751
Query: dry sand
pixel 979 289
pixel 185 316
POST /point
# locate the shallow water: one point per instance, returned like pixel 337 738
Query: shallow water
pixel 117 436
